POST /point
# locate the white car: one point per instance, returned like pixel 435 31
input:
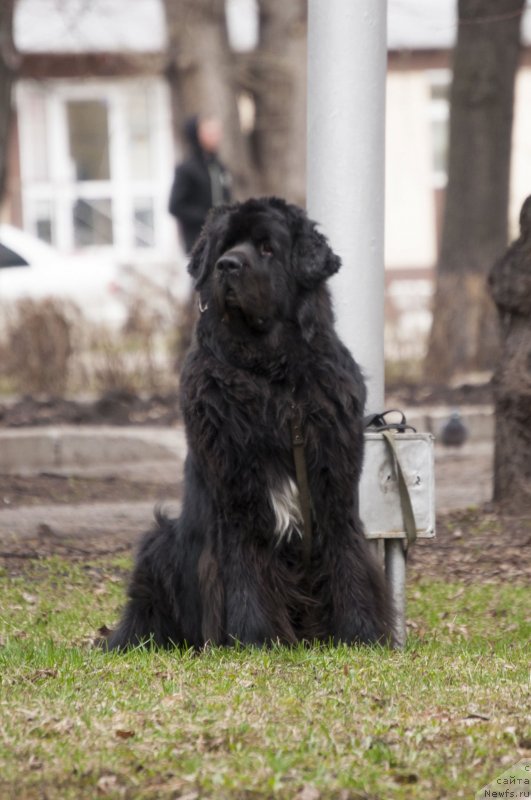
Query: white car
pixel 30 268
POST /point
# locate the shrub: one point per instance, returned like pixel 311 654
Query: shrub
pixel 39 345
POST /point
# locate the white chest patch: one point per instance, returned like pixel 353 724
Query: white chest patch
pixel 286 507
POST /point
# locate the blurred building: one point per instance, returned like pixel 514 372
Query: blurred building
pixel 421 36
pixel 92 152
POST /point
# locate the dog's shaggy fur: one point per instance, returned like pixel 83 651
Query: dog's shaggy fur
pixel 231 568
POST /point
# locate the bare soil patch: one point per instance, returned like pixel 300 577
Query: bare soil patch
pixel 408 395
pixel 122 407
pixel 123 510
pixel 112 408
pixel 53 488
pixel 473 546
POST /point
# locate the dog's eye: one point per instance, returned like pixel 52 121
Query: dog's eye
pixel 266 249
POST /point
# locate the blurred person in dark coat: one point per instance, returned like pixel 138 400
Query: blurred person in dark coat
pixel 201 180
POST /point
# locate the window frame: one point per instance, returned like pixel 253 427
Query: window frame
pixel 61 189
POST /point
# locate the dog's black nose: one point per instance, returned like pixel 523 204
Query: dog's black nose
pixel 229 263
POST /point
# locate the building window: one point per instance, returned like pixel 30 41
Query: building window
pixel 144 222
pixel 439 115
pixel 92 221
pixel 42 216
pixel 88 136
pixel 92 166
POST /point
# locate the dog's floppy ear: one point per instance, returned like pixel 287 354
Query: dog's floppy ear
pixel 202 253
pixel 312 257
pixel 198 264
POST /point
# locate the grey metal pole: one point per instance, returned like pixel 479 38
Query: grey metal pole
pixel 347 60
pixel 395 572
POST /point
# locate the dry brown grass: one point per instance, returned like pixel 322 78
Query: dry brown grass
pixel 39 345
pixel 48 348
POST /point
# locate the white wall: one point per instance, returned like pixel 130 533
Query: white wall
pixel 409 209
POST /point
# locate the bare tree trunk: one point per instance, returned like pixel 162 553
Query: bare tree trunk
pixel 8 65
pixel 510 285
pixel 475 228
pixel 280 98
pixel 201 78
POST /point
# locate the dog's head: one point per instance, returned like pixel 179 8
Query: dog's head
pixel 256 263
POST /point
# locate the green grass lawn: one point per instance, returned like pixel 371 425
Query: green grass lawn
pixel 438 720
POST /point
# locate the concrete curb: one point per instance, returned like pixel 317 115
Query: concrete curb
pixel 27 449
pixel 59 447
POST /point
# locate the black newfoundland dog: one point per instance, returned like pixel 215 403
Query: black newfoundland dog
pixel 269 545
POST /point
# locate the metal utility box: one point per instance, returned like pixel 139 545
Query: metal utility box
pixel 380 508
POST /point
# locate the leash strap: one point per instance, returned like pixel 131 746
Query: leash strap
pixel 301 474
pixel 408 515
pixel 378 423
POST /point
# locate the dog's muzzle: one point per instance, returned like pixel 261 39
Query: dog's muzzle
pixel 230 264
pixel 235 260
pixel 236 276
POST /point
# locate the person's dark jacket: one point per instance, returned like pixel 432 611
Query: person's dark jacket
pixel 200 182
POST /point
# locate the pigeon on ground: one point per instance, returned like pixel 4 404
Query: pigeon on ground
pixel 454 432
